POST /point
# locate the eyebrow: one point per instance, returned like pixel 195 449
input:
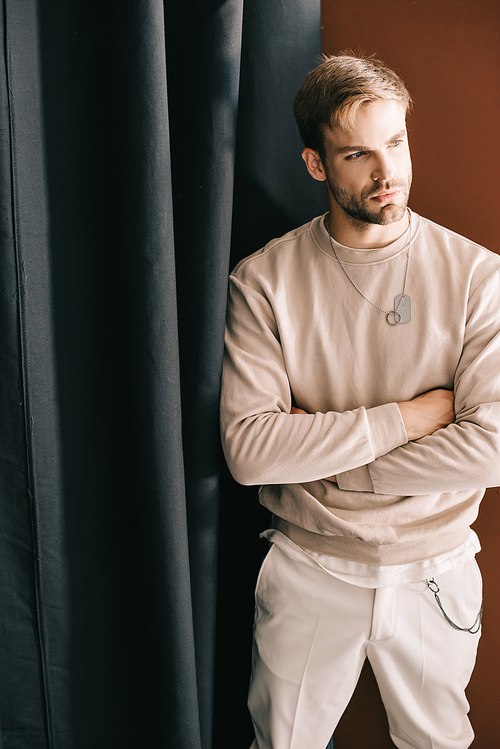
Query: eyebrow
pixel 353 149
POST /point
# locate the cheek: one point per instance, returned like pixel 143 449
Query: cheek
pixel 405 161
pixel 356 176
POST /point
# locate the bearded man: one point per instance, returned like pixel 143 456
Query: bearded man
pixel 361 391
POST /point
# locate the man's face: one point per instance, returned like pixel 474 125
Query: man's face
pixel 368 168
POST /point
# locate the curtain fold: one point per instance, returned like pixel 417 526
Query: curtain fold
pixel 203 85
pixel 121 121
pixel 19 655
pixel 272 194
pixel 29 424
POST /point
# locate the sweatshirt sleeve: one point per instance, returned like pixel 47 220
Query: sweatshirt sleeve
pixel 263 443
pixel 466 454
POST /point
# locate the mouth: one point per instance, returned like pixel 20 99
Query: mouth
pixel 386 197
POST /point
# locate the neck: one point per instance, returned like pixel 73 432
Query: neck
pixel 363 236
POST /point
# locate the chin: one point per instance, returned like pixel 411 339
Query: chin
pixel 390 213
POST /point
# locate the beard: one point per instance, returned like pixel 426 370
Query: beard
pixel 358 209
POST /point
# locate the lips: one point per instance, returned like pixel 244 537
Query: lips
pixel 385 197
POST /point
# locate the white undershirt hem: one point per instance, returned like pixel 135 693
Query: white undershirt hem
pixel 375 576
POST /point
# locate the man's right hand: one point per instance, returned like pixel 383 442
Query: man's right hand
pixel 427 413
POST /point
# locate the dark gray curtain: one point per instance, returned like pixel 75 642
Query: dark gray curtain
pixel 137 138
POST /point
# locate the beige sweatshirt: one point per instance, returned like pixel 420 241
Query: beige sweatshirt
pixel 299 333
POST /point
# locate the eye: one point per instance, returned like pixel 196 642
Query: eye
pixel 354 156
pixel 396 142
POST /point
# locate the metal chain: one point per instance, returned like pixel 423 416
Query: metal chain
pixel 434 587
pixel 385 311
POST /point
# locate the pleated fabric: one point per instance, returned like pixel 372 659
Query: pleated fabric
pixel 118 142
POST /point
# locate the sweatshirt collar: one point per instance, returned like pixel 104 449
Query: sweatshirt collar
pixel 356 256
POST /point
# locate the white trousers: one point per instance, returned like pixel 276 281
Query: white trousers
pixel 313 632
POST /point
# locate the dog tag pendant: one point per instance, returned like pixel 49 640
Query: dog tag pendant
pixel 402 314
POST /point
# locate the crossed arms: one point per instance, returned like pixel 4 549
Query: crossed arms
pixel 412 447
pixel 421 416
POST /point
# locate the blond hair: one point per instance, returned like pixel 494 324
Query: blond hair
pixel 333 92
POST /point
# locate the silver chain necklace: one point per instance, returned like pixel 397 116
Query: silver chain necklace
pixel 401 313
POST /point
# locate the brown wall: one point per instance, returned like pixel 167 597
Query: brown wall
pixel 448 54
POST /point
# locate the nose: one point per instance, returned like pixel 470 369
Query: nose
pixel 383 169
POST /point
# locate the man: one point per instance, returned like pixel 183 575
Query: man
pixel 361 390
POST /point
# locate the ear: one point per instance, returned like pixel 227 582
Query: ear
pixel 314 165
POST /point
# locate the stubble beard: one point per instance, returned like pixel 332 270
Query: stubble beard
pixel 357 207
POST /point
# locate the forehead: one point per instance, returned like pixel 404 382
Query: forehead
pixel 375 124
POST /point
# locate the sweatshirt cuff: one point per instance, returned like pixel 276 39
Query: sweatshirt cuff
pixel 387 432
pixel 387 429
